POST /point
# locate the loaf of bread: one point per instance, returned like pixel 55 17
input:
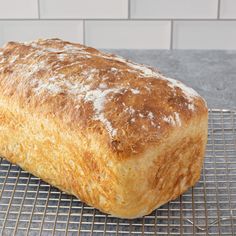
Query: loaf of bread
pixel 120 136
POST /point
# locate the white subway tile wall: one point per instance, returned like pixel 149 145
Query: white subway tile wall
pixel 128 34
pixel 21 9
pixel 178 9
pixel 204 35
pixel 228 9
pixel 84 9
pixel 134 24
pixel 30 30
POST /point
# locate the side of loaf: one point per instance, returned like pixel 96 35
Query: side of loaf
pixel 118 135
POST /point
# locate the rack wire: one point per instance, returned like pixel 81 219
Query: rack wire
pixel 29 206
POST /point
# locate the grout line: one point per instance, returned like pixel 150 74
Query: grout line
pixel 84 38
pixel 128 9
pixel 109 19
pixel 218 9
pixel 39 9
pixel 171 34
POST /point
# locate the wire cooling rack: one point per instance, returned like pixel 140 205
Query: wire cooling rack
pixel 29 206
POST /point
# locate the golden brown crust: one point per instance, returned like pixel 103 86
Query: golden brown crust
pixel 127 105
pixel 118 135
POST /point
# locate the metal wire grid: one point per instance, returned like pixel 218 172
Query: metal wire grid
pixel 29 206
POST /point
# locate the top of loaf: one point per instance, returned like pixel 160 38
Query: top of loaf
pixel 128 104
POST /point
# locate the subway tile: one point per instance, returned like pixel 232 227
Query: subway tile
pixel 85 9
pixel 128 34
pixel 181 9
pixel 30 30
pixel 204 35
pixel 18 9
pixel 228 9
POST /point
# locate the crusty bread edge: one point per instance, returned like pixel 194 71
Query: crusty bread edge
pixel 115 194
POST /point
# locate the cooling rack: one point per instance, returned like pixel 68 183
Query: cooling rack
pixel 29 206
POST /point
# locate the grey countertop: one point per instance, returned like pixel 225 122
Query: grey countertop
pixel 211 73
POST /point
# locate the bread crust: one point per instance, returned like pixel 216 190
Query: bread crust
pixel 120 136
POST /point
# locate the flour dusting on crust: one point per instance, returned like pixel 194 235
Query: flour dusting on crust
pixel 56 67
pixel 189 93
pixel 173 120
pixel 98 99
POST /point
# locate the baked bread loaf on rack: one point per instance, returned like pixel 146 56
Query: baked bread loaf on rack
pixel 120 136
